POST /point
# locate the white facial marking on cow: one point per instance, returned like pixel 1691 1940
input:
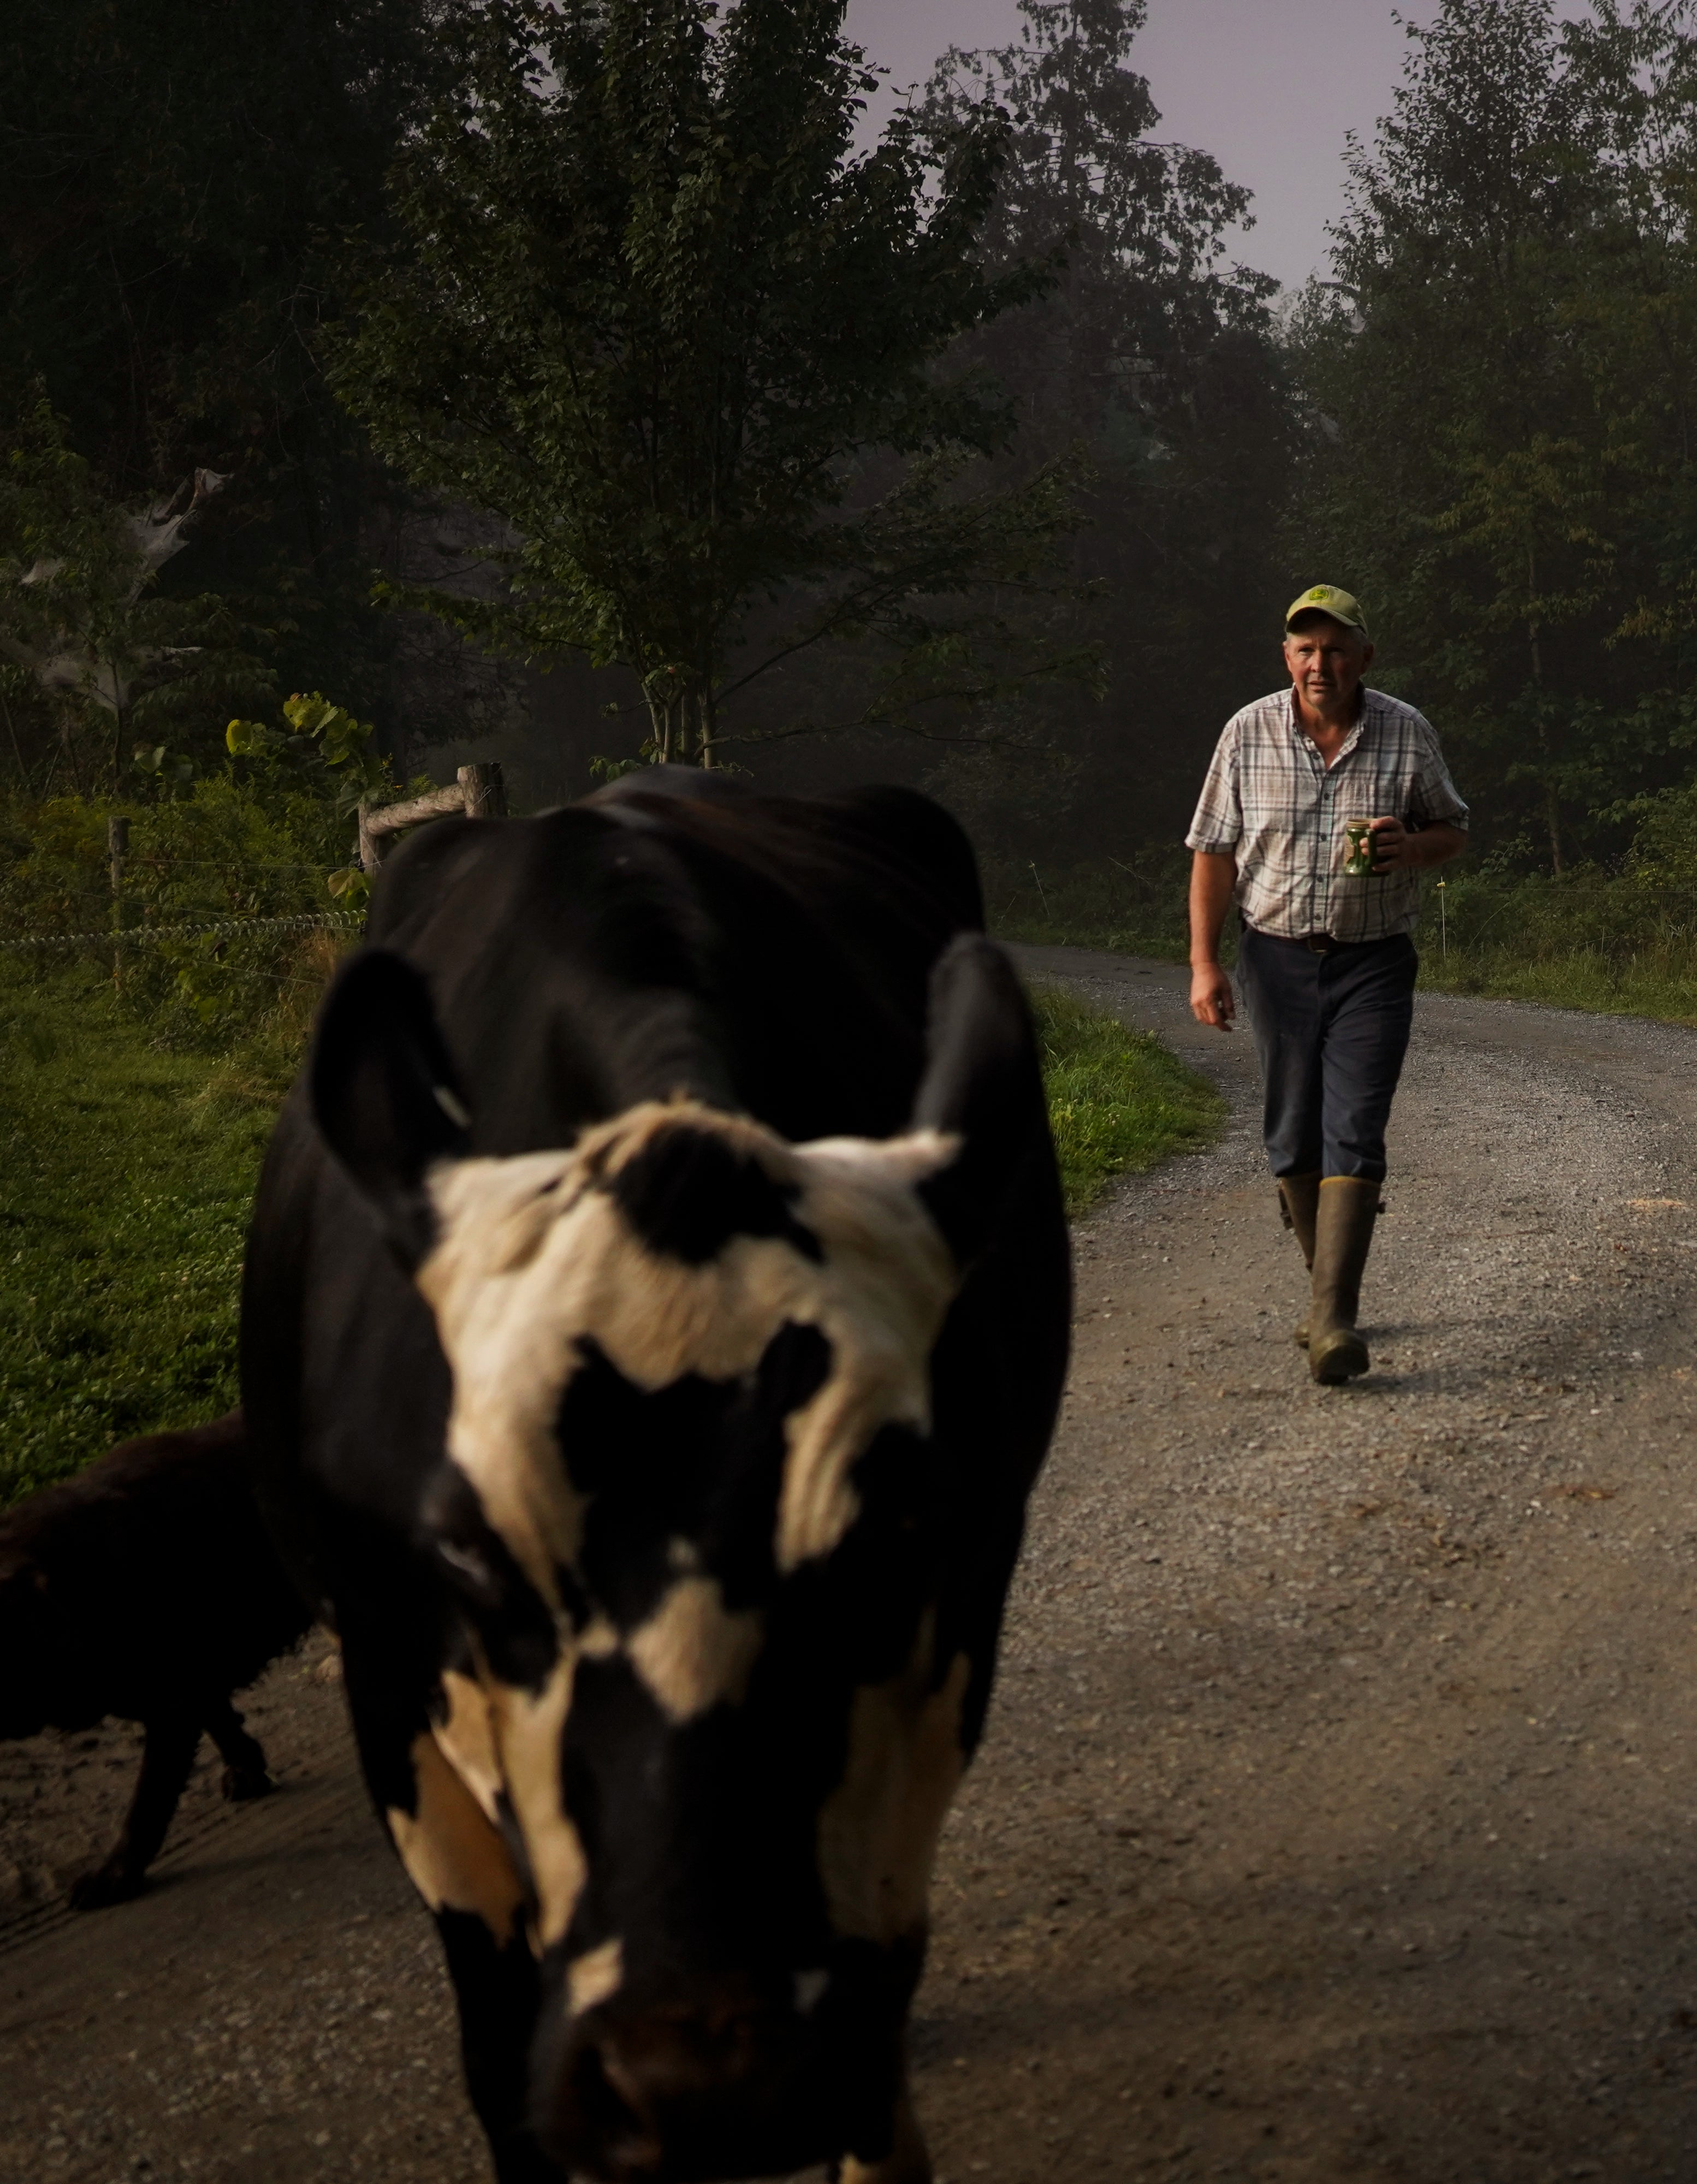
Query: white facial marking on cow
pixel 528 1729
pixel 467 1739
pixel 538 1267
pixel 892 1280
pixel 497 1215
pixel 693 1653
pixel 454 1857
pixel 533 1263
pixel 878 1828
pixel 809 1990
pixel 592 1977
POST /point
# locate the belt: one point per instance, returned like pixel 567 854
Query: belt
pixel 1316 944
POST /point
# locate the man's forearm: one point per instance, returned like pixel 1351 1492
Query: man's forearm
pixel 1436 845
pixel 1213 881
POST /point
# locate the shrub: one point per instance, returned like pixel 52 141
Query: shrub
pixel 188 955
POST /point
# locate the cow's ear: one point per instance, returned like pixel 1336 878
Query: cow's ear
pixel 385 1094
pixel 982 1083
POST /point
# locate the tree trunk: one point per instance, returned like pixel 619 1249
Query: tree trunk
pixel 1552 802
pixel 660 724
pixel 709 728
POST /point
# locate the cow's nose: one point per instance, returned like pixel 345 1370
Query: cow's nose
pixel 728 2086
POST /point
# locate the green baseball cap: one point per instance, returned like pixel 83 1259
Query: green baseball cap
pixel 1327 599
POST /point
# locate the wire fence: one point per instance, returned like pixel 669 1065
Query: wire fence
pixel 331 920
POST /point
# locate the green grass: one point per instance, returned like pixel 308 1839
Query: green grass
pixel 1129 909
pixel 1119 1100
pixel 1655 982
pixel 123 1197
pixel 129 1168
pixel 1615 947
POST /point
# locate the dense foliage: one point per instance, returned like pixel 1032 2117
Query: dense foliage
pixel 646 355
pixel 1155 355
pixel 174 175
pixel 223 897
pixel 1503 382
pixel 651 311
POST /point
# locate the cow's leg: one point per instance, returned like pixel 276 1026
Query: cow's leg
pixel 457 1859
pixel 167 1755
pixel 243 1756
pixel 496 1989
pixel 907 2162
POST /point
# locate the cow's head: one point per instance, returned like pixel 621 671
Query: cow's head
pixel 711 1567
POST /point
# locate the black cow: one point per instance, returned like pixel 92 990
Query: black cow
pixel 146 1587
pixel 655 1314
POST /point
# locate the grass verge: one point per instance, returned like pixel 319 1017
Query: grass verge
pixel 123 1200
pixel 1118 1100
pixel 1128 911
pixel 123 1203
pixel 1659 983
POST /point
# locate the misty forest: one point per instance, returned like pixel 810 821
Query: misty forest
pixel 583 386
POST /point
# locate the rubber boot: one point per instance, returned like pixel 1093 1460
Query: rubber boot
pixel 1342 1237
pixel 1298 1199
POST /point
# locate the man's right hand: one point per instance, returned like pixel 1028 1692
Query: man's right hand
pixel 1211 999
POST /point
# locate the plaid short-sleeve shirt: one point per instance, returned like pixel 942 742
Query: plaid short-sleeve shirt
pixel 1271 799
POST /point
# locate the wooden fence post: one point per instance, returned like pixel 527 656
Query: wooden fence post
pixel 485 792
pixel 478 791
pixel 117 850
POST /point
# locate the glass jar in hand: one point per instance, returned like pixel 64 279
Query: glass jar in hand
pixel 1358 850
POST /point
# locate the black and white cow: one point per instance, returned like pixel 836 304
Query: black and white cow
pixel 655 1314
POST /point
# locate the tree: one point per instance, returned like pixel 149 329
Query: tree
pixel 170 174
pixel 79 610
pixel 654 312
pixel 1502 380
pixel 1154 353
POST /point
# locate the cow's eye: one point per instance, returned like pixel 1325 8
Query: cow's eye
pixel 470 1574
pixel 513 1623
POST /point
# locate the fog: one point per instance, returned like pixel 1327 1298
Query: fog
pixel 1269 86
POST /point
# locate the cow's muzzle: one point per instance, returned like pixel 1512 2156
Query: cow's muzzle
pixel 726 2082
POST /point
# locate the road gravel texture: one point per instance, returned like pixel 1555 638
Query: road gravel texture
pixel 1336 1819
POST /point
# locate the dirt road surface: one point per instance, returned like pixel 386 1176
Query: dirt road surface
pixel 1337 1820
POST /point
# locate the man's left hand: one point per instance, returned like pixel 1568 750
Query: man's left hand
pixel 1394 846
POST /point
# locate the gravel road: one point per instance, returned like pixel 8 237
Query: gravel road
pixel 1336 1822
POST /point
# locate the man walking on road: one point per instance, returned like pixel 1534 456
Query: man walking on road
pixel 1325 961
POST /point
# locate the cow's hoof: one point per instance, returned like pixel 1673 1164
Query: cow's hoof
pixel 240 1784
pixel 908 2161
pixel 106 1885
pixel 1338 1355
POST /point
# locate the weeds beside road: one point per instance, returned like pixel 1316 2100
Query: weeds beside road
pixel 1119 1102
pixel 1624 944
pixel 123 1199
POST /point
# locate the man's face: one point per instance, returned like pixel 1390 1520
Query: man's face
pixel 1326 662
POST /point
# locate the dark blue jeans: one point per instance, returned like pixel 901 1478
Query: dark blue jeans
pixel 1331 1031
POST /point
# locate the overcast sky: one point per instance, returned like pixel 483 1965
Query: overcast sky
pixel 1268 86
